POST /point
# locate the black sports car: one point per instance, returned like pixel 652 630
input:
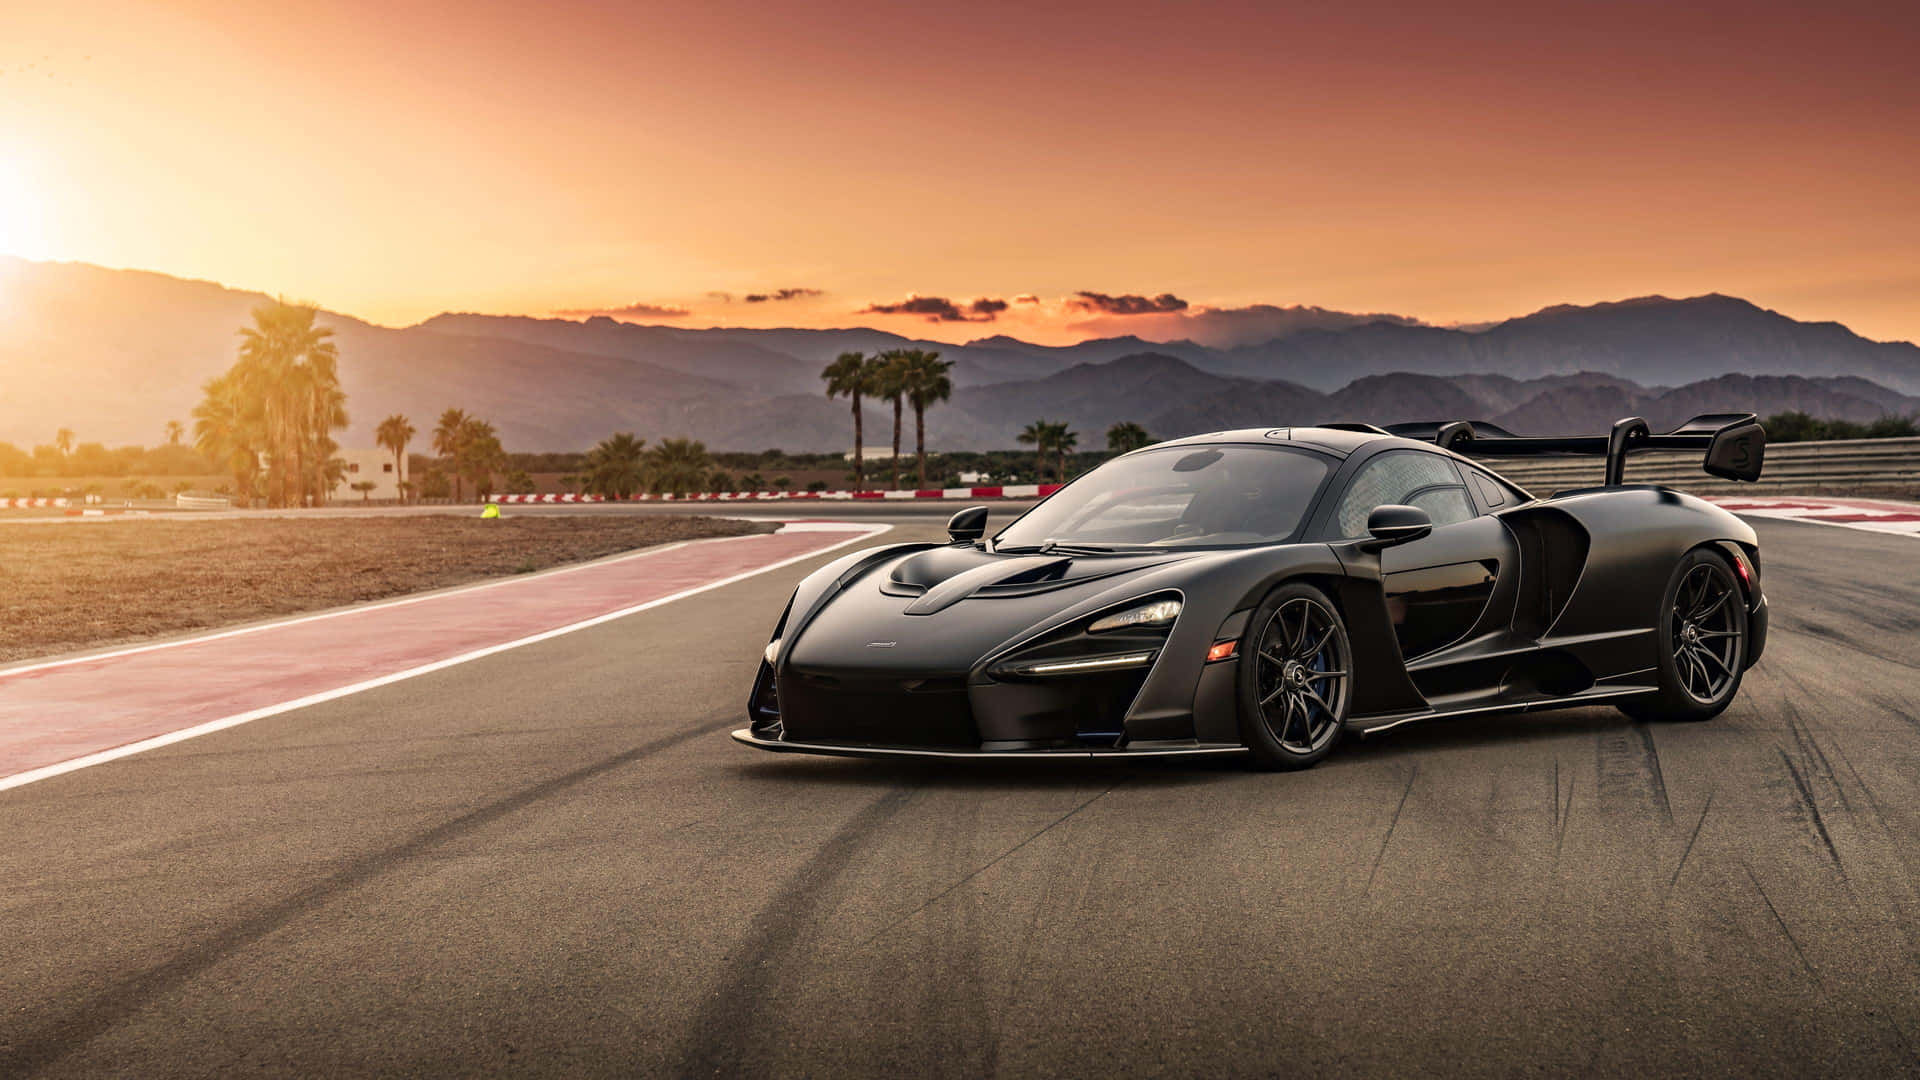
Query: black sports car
pixel 1264 592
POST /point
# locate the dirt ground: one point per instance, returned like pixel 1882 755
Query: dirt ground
pixel 81 585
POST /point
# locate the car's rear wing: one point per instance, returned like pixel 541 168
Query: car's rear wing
pixel 1735 443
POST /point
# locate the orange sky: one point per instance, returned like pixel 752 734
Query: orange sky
pixel 1454 162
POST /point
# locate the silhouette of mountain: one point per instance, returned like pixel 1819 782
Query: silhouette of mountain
pixel 115 354
pixel 1649 340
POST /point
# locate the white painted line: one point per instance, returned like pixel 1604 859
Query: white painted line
pixel 225 722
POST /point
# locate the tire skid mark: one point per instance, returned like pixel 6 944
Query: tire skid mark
pixel 1810 752
pixel 1562 813
pixel 1690 842
pixel 55 1038
pixel 1652 762
pixel 716 1039
pixel 1785 930
pixel 1392 824
pixel 953 1012
pixel 1813 807
pixel 993 862
pixel 1627 772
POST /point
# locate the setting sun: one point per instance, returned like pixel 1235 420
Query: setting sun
pixel 21 209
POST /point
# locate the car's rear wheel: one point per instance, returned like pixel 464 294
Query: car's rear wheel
pixel 1294 679
pixel 1702 642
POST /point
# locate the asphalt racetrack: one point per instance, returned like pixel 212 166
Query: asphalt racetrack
pixel 553 860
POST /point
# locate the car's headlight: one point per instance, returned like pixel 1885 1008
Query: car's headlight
pixel 773 650
pixel 1158 613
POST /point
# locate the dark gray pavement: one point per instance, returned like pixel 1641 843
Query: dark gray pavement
pixel 554 861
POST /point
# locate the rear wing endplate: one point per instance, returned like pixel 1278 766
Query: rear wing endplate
pixel 1735 444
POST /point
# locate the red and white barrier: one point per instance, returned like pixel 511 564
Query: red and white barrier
pixel 998 491
pixel 30 504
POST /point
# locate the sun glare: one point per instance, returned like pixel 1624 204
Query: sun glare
pixel 20 209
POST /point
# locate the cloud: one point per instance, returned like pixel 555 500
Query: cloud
pixel 720 297
pixel 1026 298
pixel 1226 327
pixel 630 311
pixel 941 309
pixel 782 294
pixel 1128 304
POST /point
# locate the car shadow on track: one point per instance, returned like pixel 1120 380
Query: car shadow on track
pixel 1434 737
pixel 986 776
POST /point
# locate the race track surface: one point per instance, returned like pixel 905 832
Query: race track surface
pixel 553 860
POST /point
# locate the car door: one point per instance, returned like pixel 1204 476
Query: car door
pixel 1437 587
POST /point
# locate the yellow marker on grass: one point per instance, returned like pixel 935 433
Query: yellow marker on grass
pixel 492 511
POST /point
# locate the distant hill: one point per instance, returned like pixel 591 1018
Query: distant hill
pixel 115 354
pixel 1652 340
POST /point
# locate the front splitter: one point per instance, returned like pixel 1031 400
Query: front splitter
pixel 746 737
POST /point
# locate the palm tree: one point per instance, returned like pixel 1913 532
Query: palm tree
pixel 226 430
pixel 925 377
pixel 890 383
pixel 1064 439
pixel 1127 435
pixel 175 431
pixel 678 466
pixel 1038 435
pixel 394 433
pixel 477 454
pixel 616 468
pixel 851 375
pixel 64 440
pixel 446 440
pixel 322 408
pixel 288 364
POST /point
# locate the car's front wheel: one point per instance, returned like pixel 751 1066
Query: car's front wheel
pixel 1702 642
pixel 1295 667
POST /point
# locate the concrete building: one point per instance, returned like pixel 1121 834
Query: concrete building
pixel 373 465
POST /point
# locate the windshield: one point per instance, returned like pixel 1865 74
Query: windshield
pixel 1185 496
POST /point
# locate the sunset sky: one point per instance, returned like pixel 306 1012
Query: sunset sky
pixel 1453 162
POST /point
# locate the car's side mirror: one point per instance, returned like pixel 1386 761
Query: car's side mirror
pixel 968 525
pixel 1395 524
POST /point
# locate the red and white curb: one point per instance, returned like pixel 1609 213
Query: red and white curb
pixel 73 712
pixel 992 491
pixel 33 504
pixel 1872 515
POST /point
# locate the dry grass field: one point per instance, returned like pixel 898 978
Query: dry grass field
pixel 81 585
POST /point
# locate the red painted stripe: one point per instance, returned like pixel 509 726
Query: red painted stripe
pixel 59 713
pixel 1048 489
pixel 929 493
pixel 1851 518
pixel 869 495
pixel 986 492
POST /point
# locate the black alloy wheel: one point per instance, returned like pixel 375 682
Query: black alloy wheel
pixel 1295 680
pixel 1702 642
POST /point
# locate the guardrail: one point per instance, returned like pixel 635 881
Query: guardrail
pixel 202 502
pixel 1804 467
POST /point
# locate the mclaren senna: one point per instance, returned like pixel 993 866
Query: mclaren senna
pixel 1269 592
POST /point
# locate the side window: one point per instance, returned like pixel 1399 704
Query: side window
pixel 1413 477
pixel 1494 491
pixel 1445 505
pixel 1490 492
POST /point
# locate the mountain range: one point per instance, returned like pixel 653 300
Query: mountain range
pixel 114 354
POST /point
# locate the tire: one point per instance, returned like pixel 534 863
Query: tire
pixel 1294 679
pixel 1702 641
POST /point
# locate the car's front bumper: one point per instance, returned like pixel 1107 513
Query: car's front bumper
pixel 746 737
